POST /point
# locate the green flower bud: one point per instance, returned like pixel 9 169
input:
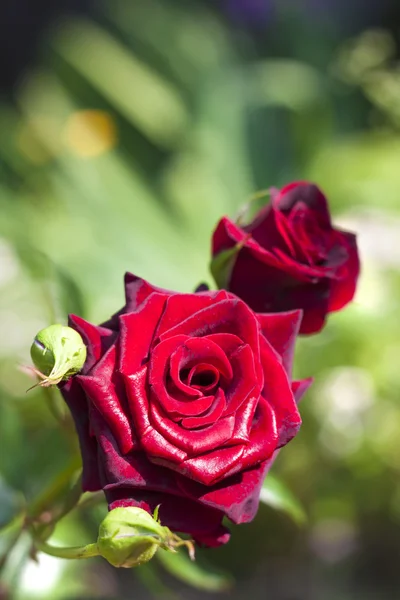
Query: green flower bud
pixel 129 537
pixel 58 352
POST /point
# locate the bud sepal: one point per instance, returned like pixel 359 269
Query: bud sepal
pixel 58 352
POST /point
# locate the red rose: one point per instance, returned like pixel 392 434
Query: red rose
pixel 183 401
pixel 291 257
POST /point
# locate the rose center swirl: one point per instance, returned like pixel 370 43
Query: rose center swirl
pixel 188 378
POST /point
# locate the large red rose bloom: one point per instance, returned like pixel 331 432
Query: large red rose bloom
pixel 291 257
pixel 183 402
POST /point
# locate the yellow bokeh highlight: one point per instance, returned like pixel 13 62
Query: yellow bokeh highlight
pixel 90 133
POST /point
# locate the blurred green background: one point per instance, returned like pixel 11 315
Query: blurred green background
pixel 132 129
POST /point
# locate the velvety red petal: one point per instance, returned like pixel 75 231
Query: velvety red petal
pixel 77 403
pixel 298 251
pixel 269 231
pixel 137 393
pixel 227 341
pixel 192 442
pixel 137 333
pixel 105 389
pixel 281 330
pixel 237 496
pixel 130 470
pixel 161 451
pixel 244 418
pixel 299 388
pixel 264 436
pixel 210 416
pixel 277 391
pixel 231 315
pixel 226 235
pixel 244 379
pixel 211 467
pixel 181 306
pixel 308 193
pixel 96 338
pixel 137 290
pixel 343 289
pixel 185 351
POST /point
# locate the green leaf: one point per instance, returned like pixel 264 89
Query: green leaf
pixel 222 264
pixel 193 573
pixel 274 493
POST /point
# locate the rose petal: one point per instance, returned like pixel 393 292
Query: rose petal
pixel 96 339
pixel 183 350
pixel 215 465
pixel 264 436
pixel 137 393
pixel 238 496
pixel 231 315
pixel 299 388
pixel 244 380
pixel 209 417
pixel 343 288
pixel 226 235
pixel 181 306
pixel 130 470
pixel 105 389
pixel 77 403
pixel 192 442
pixel 281 330
pixel 277 391
pixel 308 193
pixel 137 333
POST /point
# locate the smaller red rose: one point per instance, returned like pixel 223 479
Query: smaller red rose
pixel 290 257
pixel 183 402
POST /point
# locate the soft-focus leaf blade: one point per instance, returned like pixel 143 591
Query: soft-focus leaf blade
pixel 180 566
pixel 274 493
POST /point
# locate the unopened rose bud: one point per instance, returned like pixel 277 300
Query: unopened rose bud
pixel 58 352
pixel 129 537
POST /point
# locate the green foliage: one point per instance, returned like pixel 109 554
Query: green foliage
pixel 193 573
pixel 121 151
pixel 274 493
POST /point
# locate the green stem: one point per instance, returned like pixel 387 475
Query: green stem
pixel 71 552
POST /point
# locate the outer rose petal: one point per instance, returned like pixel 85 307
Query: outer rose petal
pixel 226 235
pixel 106 391
pixel 299 388
pixel 137 290
pixel 278 393
pixel 281 330
pixel 310 194
pixel 97 339
pixel 238 496
pixel 181 306
pixel 137 331
pixel 342 290
pixel 77 403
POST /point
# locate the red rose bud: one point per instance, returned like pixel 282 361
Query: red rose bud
pixel 289 257
pixel 129 537
pixel 183 402
pixel 57 352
